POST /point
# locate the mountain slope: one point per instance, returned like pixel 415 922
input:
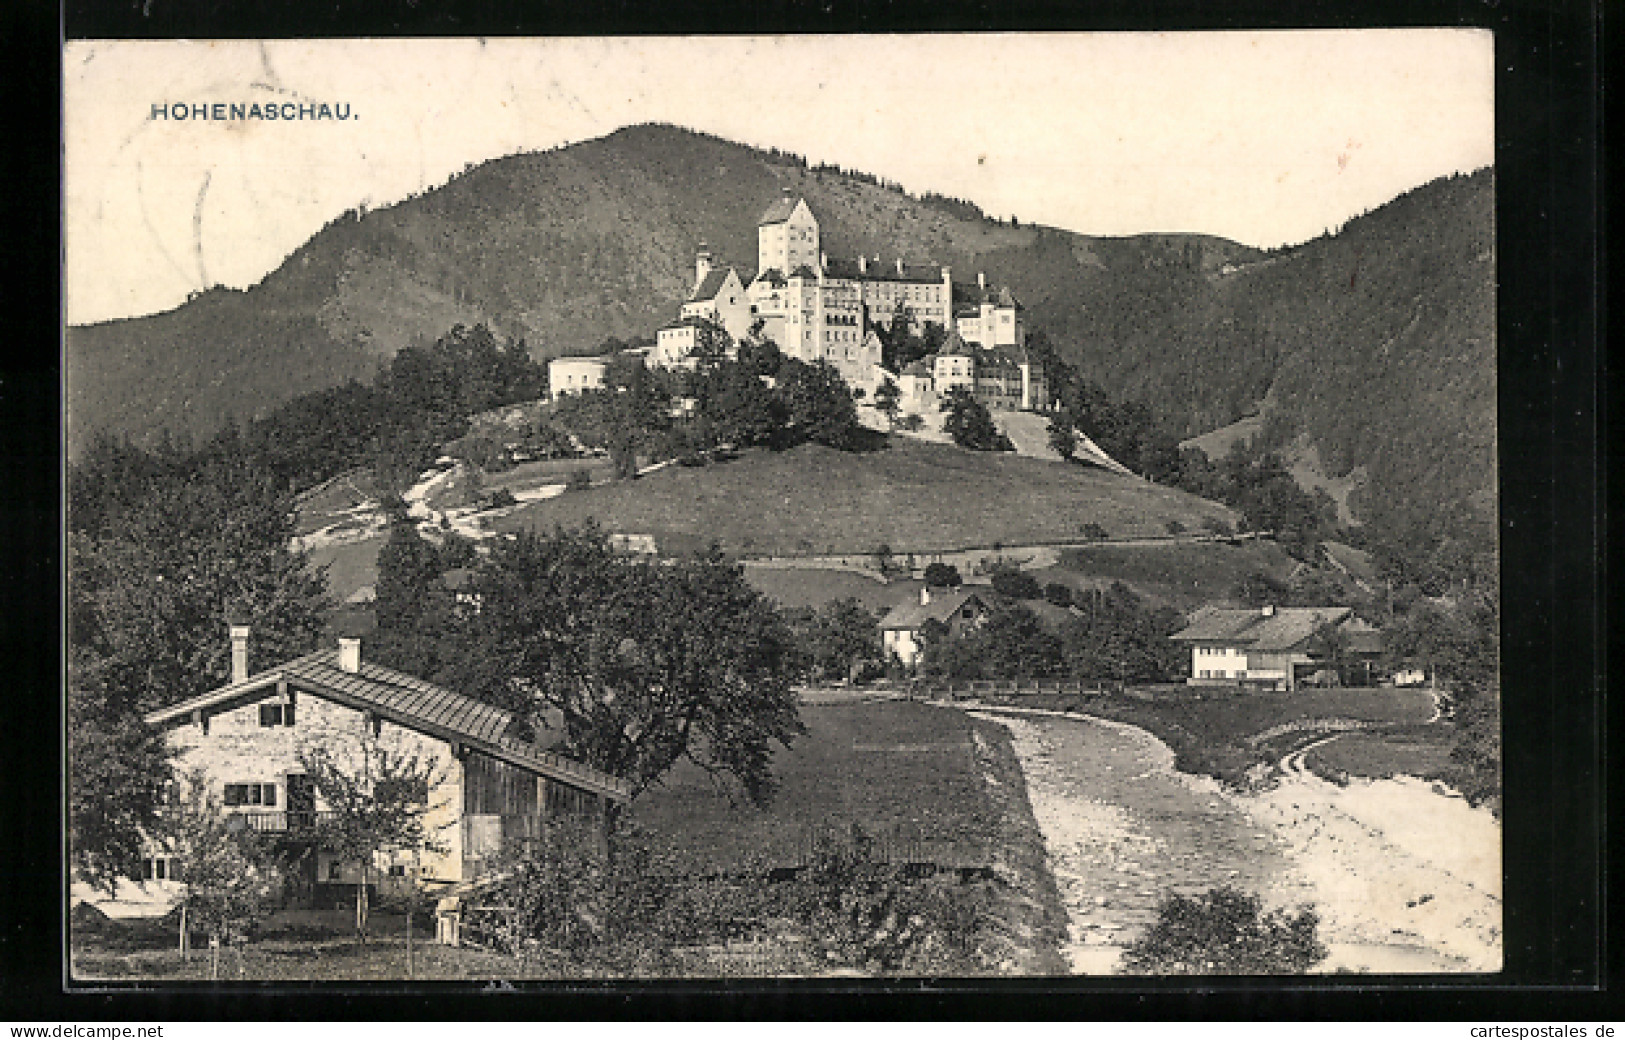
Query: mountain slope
pixel 1376 344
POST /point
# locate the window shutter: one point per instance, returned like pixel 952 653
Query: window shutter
pixel 270 794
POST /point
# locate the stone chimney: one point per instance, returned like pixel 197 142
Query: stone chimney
pixel 863 264
pixel 702 265
pixel 1267 610
pixel 239 653
pixel 925 595
pixel 899 266
pixel 350 655
pixel 981 280
pixel 823 261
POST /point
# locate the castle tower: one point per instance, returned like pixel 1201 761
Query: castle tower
pixel 702 267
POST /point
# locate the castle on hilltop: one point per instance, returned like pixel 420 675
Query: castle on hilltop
pixel 819 308
pixel 822 308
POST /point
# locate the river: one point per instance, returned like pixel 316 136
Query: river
pixel 1123 828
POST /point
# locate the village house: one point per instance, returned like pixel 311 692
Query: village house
pixel 574 375
pixel 959 609
pixel 1275 648
pixel 246 738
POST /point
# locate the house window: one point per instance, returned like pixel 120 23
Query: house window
pixel 276 715
pixel 250 794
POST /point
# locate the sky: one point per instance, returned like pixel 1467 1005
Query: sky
pixel 1265 138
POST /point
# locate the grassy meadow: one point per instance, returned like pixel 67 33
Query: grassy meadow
pixel 913 496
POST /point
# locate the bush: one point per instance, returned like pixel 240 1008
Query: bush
pixel 1226 932
pixel 1174 527
pixel 910 423
pixel 580 480
pixel 1093 531
pixel 1058 594
pixel 1017 585
pixel 1215 525
pixel 942 576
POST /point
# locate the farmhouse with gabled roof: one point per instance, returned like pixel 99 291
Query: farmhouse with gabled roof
pixel 959 609
pixel 1269 646
pixel 247 737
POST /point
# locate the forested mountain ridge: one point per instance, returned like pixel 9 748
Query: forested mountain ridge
pixel 1378 341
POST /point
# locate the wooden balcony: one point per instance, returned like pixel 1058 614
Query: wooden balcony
pixel 291 823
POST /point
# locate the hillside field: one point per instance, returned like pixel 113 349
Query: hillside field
pixel 1184 575
pixel 915 497
pixel 880 765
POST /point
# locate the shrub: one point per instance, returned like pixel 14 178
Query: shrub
pixel 1058 594
pixel 1174 527
pixel 1017 585
pixel 580 480
pixel 1226 932
pixel 1093 531
pixel 910 423
pixel 1218 526
pixel 942 575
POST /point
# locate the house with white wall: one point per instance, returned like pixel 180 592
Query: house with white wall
pixel 1271 647
pixel 249 737
pixel 959 609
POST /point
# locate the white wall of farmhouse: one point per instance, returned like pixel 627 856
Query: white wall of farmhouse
pixel 237 749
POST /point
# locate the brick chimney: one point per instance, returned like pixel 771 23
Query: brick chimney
pixel 899 266
pixel 1267 610
pixel 863 264
pixel 981 280
pixel 350 655
pixel 239 653
pixel 925 595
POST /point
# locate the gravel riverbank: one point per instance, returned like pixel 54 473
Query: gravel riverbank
pixel 1123 828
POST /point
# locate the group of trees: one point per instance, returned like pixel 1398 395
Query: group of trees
pixel 571 904
pixel 1111 634
pixel 164 548
pixel 744 397
pixel 640 663
pixel 970 424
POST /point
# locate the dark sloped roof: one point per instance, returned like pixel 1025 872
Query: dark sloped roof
pixel 1283 630
pixel 407 701
pixel 711 285
pixel 918 368
pixel 968 296
pixel 778 211
pixel 771 276
pixel 944 604
pixel 955 346
pixel 804 272
pixel 882 271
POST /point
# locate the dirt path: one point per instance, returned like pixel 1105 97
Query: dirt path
pixel 1406 879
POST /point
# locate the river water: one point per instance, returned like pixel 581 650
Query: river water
pixel 1124 828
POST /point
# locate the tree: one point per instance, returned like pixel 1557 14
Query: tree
pixel 817 404
pixel 886 395
pixel 942 575
pixel 150 595
pixel 378 795
pixel 970 424
pixel 839 639
pixel 1058 594
pixel 230 880
pixel 1226 932
pixel 759 353
pixel 1016 584
pixel 740 409
pixel 1063 435
pixel 885 561
pixel 647 662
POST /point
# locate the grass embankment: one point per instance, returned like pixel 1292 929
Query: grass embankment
pixel 949 781
pixel 913 496
pixel 1181 574
pixel 1227 733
